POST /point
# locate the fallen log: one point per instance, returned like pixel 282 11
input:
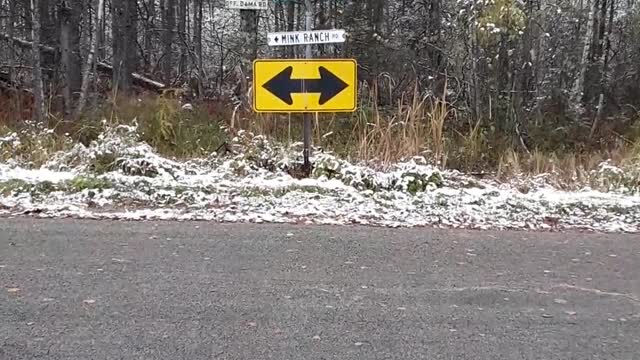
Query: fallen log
pixel 138 80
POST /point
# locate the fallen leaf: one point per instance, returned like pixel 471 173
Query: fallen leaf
pixel 358 344
pixel 89 301
pixel 547 316
pixel 402 308
pixel 289 234
pixel 252 324
pixel 30 323
pixel 316 337
pixel 571 313
pixel 560 301
pixel 13 290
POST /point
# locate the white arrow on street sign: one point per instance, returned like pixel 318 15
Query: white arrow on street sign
pixel 247 4
pixel 306 37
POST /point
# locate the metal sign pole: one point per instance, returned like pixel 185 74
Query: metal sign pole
pixel 307 116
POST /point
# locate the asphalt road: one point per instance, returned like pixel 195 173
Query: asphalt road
pixel 168 290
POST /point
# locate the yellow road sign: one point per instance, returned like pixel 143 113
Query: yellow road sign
pixel 305 85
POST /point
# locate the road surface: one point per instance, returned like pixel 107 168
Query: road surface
pixel 168 290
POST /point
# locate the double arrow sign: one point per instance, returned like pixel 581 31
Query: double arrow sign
pixel 328 86
pixel 305 85
pixel 301 85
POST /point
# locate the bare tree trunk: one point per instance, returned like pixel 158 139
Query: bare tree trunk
pixel 64 13
pixel 102 36
pixel 604 66
pixel 197 41
pixel 11 59
pixel 250 30
pixel 291 18
pixel 149 33
pixel 37 70
pixel 48 31
pixel 124 42
pixel 90 65
pixel 168 21
pixel 578 88
pixel 183 36
pixel 74 76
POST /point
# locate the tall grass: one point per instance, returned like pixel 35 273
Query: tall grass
pixel 415 125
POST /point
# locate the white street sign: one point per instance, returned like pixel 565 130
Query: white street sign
pixel 306 37
pixel 247 4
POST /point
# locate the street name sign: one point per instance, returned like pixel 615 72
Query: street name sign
pixel 247 4
pixel 306 37
pixel 305 85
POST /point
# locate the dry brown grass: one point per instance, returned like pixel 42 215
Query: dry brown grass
pixel 416 125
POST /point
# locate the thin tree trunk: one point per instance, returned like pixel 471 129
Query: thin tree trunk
pixel 578 88
pixel 37 70
pixel 291 16
pixel 11 59
pixel 64 13
pixel 90 65
pixel 124 43
pixel 250 31
pixel 149 33
pixel 197 41
pixel 182 35
pixel 102 36
pixel 168 21
pixel 604 67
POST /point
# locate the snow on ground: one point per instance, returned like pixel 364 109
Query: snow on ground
pixel 118 177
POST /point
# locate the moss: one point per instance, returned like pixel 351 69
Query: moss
pixel 83 183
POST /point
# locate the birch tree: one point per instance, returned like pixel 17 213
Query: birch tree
pixel 89 67
pixel 38 93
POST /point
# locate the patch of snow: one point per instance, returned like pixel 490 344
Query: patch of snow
pixel 256 187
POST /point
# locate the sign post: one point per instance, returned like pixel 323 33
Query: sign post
pixel 306 152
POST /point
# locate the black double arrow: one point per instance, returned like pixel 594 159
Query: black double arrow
pixel 282 85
